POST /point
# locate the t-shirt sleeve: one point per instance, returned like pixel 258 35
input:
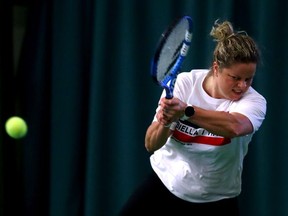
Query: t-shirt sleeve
pixel 253 106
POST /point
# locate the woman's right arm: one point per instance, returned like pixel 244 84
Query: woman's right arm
pixel 156 136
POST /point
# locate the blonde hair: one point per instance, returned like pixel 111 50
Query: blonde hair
pixel 233 47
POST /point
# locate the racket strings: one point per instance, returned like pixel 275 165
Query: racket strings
pixel 176 44
pixel 171 52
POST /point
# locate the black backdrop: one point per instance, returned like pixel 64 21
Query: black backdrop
pixel 83 86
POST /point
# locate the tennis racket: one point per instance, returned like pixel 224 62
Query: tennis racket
pixel 171 50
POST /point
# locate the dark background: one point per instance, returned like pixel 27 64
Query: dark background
pixel 78 72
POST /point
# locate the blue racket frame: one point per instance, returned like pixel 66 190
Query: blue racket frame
pixel 169 80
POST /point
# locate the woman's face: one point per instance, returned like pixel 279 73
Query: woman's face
pixel 233 82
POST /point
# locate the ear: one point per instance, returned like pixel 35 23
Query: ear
pixel 215 68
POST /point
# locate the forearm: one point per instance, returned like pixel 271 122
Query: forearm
pixel 222 123
pixel 156 136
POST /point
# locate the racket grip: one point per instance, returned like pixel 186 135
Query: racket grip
pixel 169 96
pixel 169 93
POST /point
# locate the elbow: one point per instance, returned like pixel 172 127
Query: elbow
pixel 236 131
pixel 232 134
pixel 239 126
pixel 149 148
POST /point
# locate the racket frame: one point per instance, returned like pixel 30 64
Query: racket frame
pixel 169 79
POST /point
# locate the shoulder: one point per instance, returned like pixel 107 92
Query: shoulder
pixel 253 105
pixel 254 95
pixel 254 99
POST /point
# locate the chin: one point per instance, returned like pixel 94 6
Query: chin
pixel 236 98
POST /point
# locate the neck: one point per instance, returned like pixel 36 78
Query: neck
pixel 208 84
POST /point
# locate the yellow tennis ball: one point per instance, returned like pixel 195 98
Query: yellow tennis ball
pixel 16 127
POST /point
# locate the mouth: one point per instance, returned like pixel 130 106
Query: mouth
pixel 237 92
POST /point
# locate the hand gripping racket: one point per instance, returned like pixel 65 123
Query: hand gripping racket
pixel 172 49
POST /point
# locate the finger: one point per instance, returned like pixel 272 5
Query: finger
pixel 166 111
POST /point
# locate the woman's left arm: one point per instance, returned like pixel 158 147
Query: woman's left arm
pixel 222 123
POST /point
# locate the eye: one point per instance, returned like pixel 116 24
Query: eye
pixel 249 80
pixel 233 77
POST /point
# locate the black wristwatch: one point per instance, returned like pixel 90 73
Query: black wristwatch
pixel 188 112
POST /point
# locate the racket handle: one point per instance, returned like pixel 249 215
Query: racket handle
pixel 169 94
pixel 169 97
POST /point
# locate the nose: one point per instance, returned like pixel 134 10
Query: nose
pixel 242 84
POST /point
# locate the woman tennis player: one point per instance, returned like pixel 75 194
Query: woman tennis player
pixel 199 138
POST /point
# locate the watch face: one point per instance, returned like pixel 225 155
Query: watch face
pixel 189 111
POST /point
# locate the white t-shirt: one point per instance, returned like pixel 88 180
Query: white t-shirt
pixel 196 165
